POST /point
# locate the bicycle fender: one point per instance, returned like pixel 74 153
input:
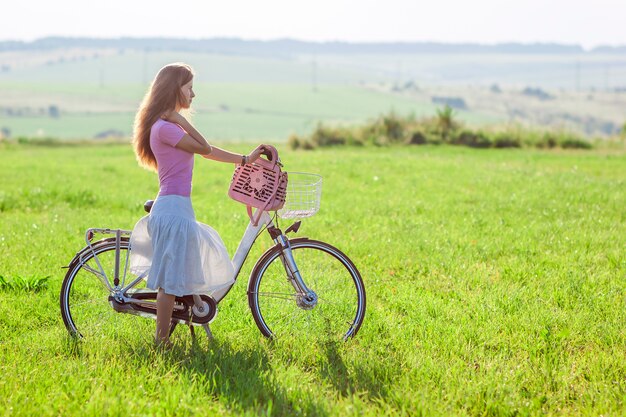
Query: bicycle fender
pixel 88 248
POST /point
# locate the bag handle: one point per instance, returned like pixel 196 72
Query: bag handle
pixel 255 219
pixel 271 154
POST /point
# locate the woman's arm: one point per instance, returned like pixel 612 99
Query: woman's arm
pixel 193 141
pixel 223 155
pixel 189 144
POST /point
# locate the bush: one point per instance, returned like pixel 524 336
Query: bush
pixel 537 92
pixel 454 102
pixel 390 129
pixel 393 127
pixel 294 141
pixel 506 140
pixel 549 140
pixel 445 123
pixel 385 130
pixel 472 139
pixel 417 137
pixel 565 140
pixel 574 143
pixel 328 136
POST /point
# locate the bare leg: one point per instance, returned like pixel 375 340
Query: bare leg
pixel 165 307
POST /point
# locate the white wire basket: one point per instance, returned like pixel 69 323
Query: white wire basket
pixel 304 193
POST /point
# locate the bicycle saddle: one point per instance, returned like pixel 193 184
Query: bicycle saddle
pixel 147 206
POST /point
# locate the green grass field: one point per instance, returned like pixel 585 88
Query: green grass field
pixel 496 284
pixel 231 111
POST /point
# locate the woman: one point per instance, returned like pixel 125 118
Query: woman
pixel 179 255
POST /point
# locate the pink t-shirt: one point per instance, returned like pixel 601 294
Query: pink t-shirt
pixel 175 166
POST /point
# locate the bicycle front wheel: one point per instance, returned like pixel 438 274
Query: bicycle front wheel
pixel 85 292
pixel 337 308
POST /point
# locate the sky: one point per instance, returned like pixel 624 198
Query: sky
pixel 575 22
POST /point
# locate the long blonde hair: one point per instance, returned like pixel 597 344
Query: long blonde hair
pixel 163 95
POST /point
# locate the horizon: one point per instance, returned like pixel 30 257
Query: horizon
pixel 295 39
pixel 483 22
pixel 321 42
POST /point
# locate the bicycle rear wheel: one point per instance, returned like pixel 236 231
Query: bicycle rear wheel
pixel 339 307
pixel 84 297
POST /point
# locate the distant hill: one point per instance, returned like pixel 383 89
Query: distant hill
pixel 289 47
pixel 253 90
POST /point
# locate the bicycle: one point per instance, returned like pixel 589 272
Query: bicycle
pixel 298 286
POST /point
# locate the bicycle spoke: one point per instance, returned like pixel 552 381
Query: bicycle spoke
pixel 284 296
pixel 85 303
pixel 336 284
pixel 327 301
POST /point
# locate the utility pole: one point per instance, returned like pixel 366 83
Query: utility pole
pixel 145 67
pixel 399 75
pixel 577 76
pixel 314 75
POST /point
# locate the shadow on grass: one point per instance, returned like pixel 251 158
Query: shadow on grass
pixel 243 378
pixel 363 377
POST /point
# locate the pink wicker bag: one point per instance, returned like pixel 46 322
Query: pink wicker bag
pixel 260 184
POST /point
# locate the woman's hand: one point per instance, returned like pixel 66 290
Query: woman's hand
pixel 255 154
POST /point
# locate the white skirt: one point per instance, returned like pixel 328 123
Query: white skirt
pixel 177 253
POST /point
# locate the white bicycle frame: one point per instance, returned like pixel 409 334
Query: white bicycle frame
pixel 243 249
pixel 120 290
